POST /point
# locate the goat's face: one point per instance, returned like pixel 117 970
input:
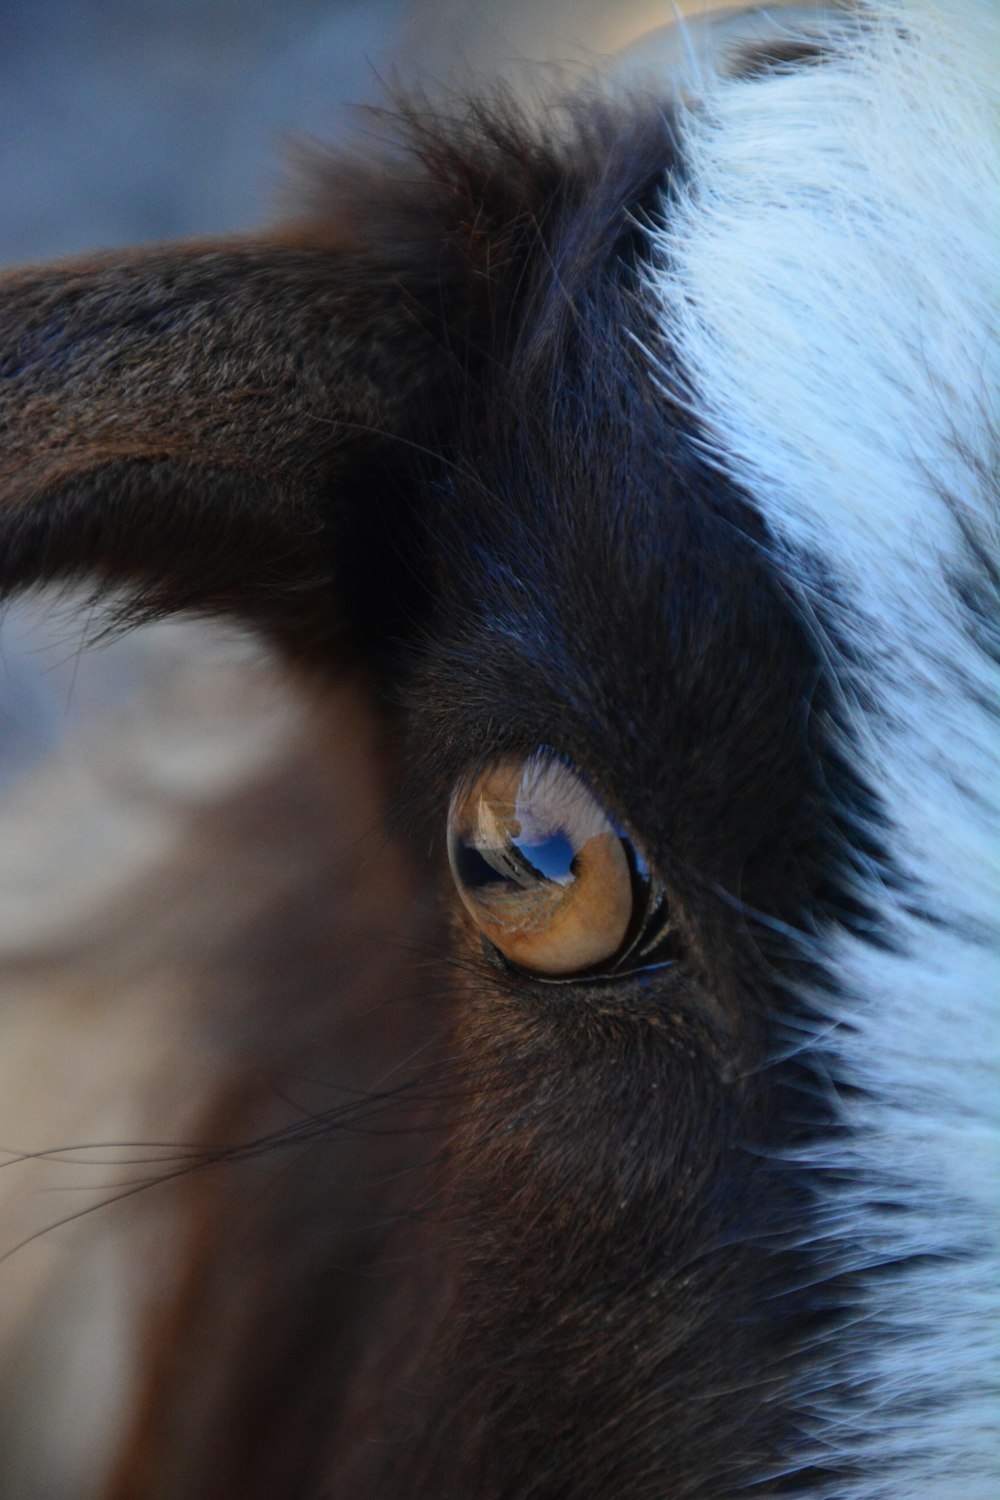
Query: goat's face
pixel 486 429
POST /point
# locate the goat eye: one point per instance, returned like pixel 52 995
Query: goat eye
pixel 540 866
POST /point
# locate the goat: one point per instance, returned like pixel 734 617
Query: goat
pixel 633 474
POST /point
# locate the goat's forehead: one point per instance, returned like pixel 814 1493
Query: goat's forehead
pixel 822 289
pixel 607 592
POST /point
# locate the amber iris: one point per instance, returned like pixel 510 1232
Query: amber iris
pixel 540 866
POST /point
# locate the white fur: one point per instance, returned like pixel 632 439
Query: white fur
pixel 830 277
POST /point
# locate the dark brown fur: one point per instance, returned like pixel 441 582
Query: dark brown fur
pixel 549 1251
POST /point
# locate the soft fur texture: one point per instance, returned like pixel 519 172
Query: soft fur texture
pixel 836 309
pixel 664 438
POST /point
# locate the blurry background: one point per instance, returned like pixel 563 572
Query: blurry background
pixel 125 119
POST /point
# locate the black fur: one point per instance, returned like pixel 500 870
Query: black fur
pixel 436 447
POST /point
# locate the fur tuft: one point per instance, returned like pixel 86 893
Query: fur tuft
pixel 827 277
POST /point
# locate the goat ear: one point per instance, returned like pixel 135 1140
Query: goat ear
pixel 203 425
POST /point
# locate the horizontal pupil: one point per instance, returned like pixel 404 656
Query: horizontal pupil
pixel 473 871
pixel 552 859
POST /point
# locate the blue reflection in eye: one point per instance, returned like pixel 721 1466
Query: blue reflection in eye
pixel 476 873
pixel 552 857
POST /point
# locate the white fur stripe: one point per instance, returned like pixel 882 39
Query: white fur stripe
pixel 829 276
